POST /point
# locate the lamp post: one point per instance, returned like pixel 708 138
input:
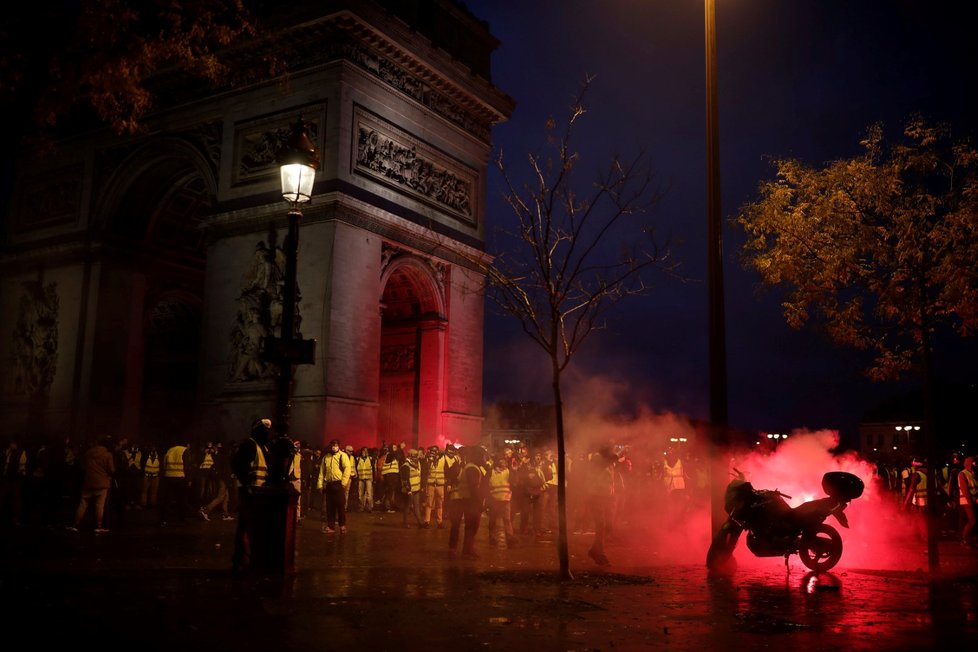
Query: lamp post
pixel 299 160
pixel 719 434
pixel 275 506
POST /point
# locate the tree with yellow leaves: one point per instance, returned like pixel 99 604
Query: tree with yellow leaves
pixel 880 248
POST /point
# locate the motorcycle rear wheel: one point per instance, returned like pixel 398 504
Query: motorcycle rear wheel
pixel 821 549
pixel 718 557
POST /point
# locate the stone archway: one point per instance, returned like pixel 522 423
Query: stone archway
pixel 169 388
pixel 153 283
pixel 412 354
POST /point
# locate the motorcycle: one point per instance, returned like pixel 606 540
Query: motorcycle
pixel 775 529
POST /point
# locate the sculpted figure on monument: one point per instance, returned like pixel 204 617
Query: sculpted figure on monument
pixel 259 314
pixel 36 338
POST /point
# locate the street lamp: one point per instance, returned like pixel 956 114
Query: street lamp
pixel 275 507
pixel 719 436
pixel 299 160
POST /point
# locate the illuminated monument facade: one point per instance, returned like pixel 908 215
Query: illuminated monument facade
pixel 140 282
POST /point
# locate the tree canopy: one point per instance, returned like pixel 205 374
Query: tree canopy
pixel 881 248
pixel 68 58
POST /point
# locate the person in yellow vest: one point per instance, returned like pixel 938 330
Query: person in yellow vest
pixel 222 497
pixel 175 483
pixel 365 480
pixel 249 463
pixel 135 475
pixel 391 475
pixel 434 486
pixel 673 474
pixel 152 466
pixel 967 493
pixel 207 474
pixel 353 490
pixel 411 485
pixel 500 501
pixel 334 478
pixel 466 500
pixel 295 478
pixel 916 499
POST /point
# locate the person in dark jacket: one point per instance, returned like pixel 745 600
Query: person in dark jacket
pixel 99 467
pixel 467 499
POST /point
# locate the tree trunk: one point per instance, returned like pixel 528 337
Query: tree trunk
pixel 933 450
pixel 562 552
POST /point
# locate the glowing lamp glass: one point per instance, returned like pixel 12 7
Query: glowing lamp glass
pixel 297 182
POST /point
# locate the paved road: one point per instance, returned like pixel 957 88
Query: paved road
pixel 383 587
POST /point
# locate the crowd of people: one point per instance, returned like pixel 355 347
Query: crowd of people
pixel 955 491
pixel 104 480
pixel 513 490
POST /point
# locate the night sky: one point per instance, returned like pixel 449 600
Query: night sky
pixel 799 78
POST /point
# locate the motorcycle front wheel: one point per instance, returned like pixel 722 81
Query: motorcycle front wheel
pixel 722 547
pixel 821 549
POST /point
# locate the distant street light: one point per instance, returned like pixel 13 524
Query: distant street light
pixel 777 438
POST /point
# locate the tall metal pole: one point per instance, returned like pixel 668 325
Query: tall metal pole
pixel 719 435
pixel 284 402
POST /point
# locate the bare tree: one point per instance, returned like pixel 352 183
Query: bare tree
pixel 573 252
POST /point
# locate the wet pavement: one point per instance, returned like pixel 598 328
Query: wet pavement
pixel 384 587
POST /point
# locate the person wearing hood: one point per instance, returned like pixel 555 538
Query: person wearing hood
pixel 334 479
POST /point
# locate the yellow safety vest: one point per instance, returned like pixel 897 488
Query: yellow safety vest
pixel 553 473
pixel 365 468
pixel 461 491
pixel 134 459
pixel 295 472
pixel 673 475
pixel 920 495
pixel 436 473
pixel 174 462
pixel 258 468
pixel 333 468
pixel 972 488
pixel 208 461
pixel 499 486
pixel 391 466
pixel 152 468
pixel 414 478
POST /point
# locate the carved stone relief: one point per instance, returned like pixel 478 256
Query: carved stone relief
pixel 439 270
pixel 411 85
pixel 35 338
pixel 257 143
pixel 394 359
pixel 392 156
pixel 259 314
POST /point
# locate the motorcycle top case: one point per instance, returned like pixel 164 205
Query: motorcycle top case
pixel 842 486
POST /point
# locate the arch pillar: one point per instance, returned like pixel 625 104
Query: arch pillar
pixel 431 379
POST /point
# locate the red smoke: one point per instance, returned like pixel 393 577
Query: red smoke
pixel 655 530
